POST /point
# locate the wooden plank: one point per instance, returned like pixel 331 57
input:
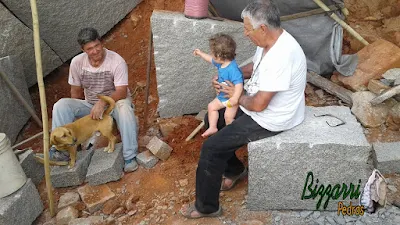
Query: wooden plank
pixel 330 87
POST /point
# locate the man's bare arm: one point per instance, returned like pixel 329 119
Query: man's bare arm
pixel 120 93
pixel 257 102
pixel 247 70
pixel 77 92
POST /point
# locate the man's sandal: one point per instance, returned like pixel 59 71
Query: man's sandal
pixel 192 208
pixel 235 180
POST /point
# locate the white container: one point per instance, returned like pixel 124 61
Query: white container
pixel 12 176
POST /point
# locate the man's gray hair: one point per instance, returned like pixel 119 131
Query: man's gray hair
pixel 262 12
pixel 87 35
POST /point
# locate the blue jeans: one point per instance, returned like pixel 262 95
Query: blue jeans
pixel 66 110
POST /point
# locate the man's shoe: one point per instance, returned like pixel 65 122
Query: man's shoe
pixel 130 165
pixel 56 158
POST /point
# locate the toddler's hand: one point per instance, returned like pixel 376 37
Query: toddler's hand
pixel 196 52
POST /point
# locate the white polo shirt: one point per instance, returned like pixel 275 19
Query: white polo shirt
pixel 282 70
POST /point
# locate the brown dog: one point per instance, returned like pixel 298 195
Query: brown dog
pixel 70 136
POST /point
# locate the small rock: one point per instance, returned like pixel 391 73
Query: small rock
pixel 122 218
pixel 132 212
pixel 228 200
pixel 68 199
pixel 66 215
pixel 91 220
pixel 183 182
pixel 277 219
pixel 320 93
pixel 110 206
pixel 119 211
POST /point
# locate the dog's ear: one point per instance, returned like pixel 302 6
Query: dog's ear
pixel 53 140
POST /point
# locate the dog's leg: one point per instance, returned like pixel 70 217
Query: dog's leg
pixel 111 143
pixel 72 155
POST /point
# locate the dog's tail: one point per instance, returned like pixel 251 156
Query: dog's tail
pixel 110 101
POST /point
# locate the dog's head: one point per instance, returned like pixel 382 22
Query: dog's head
pixel 62 137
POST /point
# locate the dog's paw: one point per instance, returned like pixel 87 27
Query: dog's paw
pixel 106 149
pixel 110 150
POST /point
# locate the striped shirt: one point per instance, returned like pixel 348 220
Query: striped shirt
pixel 113 72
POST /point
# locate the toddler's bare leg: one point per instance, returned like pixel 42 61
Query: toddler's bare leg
pixel 213 115
pixel 230 114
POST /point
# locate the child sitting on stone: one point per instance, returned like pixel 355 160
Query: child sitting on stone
pixel 222 56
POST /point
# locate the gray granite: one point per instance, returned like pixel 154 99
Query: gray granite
pixel 387 157
pixel 106 167
pixel 17 39
pixel 184 81
pixel 14 115
pixel 60 21
pixel 279 165
pixel 32 168
pixel 21 207
pixel 159 148
pixel 61 176
pixel 147 159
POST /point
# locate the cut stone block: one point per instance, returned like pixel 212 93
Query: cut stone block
pixel 105 167
pixel 279 165
pixel 374 60
pixel 14 115
pixel 61 176
pixel 21 207
pixel 166 127
pixel 377 87
pixel 147 159
pixel 59 26
pixel 32 168
pixel 387 157
pixel 159 148
pixel 17 39
pixel 94 197
pixel 188 91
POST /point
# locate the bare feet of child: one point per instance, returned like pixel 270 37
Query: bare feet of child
pixel 209 131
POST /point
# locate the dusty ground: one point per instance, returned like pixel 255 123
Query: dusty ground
pixel 130 38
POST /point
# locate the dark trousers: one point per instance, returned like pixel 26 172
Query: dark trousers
pixel 218 157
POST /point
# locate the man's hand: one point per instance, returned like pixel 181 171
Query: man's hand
pixel 97 111
pixel 215 84
pixel 228 89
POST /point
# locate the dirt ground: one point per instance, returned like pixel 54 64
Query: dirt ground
pixel 130 38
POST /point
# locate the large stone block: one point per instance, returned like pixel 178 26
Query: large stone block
pixel 279 165
pixel 374 60
pixel 184 81
pixel 105 167
pixel 61 176
pixel 14 115
pixel 17 39
pixel 32 168
pixel 387 157
pixel 21 207
pixel 60 21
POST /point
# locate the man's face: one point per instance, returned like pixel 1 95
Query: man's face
pixel 94 49
pixel 250 32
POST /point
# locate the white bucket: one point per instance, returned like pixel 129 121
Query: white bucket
pixel 12 177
